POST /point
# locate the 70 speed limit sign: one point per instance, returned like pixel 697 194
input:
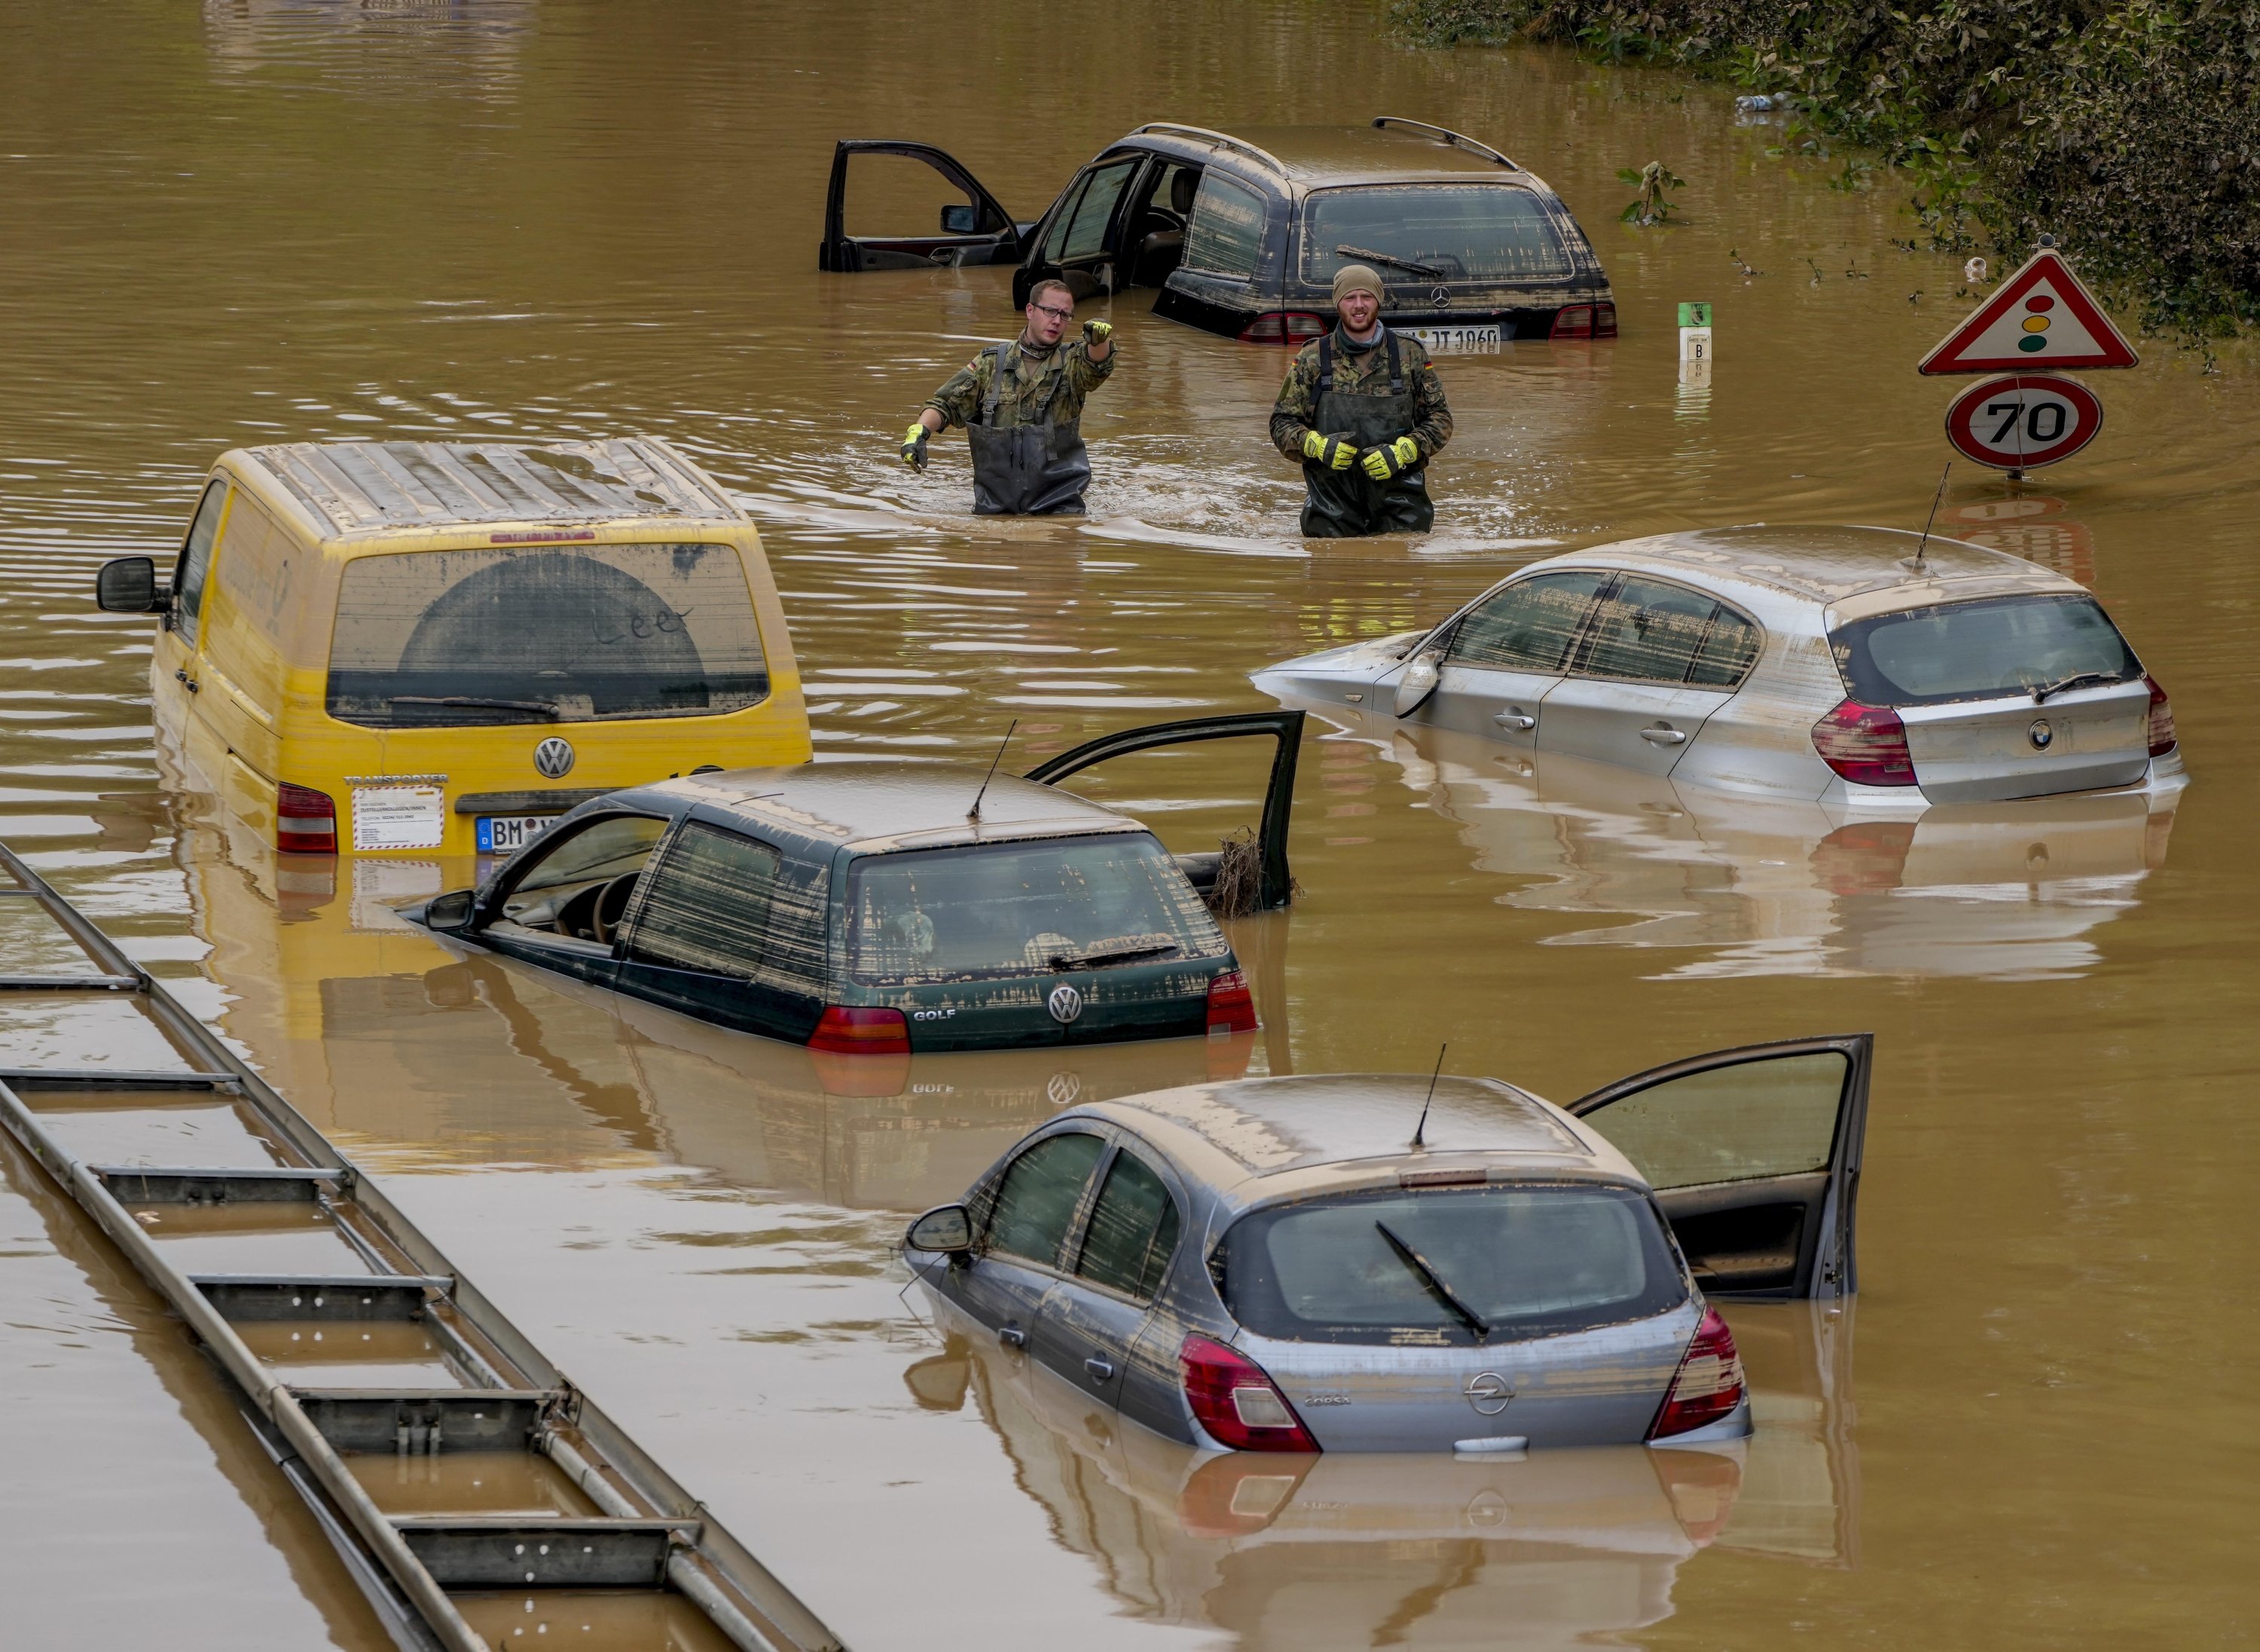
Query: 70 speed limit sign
pixel 2023 421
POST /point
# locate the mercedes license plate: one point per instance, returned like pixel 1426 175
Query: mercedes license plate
pixel 507 833
pixel 1458 340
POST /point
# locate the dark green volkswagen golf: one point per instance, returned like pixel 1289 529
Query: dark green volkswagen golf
pixel 885 906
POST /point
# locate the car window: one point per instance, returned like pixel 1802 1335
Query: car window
pixel 1037 1197
pixel 1227 234
pixel 195 561
pixel 708 905
pixel 582 859
pixel 1647 630
pixel 1976 650
pixel 1731 1124
pixel 1529 626
pixel 1455 232
pixel 1726 652
pixel 1081 231
pixel 1133 1229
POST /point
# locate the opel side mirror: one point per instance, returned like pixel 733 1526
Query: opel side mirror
pixel 961 219
pixel 128 585
pixel 946 1227
pixel 1418 680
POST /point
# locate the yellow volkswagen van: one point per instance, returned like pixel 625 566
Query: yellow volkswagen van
pixel 412 647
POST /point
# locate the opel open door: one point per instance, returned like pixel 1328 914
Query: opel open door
pixel 1755 1156
pixel 971 228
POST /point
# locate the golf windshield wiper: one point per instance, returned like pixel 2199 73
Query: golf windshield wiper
pixel 1445 1294
pixel 479 702
pixel 1415 265
pixel 2080 679
pixel 1120 954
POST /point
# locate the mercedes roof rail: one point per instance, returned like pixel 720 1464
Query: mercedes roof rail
pixel 1446 135
pixel 1223 140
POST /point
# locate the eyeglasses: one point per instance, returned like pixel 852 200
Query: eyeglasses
pixel 1057 315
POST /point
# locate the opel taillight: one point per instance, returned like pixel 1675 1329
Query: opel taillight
pixel 1866 744
pixel 1230 1007
pixel 847 1030
pixel 1605 320
pixel 1283 326
pixel 1242 1408
pixel 305 821
pixel 1575 321
pixel 2162 738
pixel 1708 1384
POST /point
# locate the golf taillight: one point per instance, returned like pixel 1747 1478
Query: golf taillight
pixel 1242 1408
pixel 2162 738
pixel 305 820
pixel 1283 326
pixel 1866 744
pixel 1231 1006
pixel 1575 321
pixel 847 1030
pixel 1708 1384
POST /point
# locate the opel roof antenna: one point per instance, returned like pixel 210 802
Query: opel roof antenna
pixel 974 814
pixel 1923 544
pixel 1418 1143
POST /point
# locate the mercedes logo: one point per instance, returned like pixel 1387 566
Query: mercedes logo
pixel 1489 1392
pixel 2041 735
pixel 1440 295
pixel 1065 1003
pixel 554 757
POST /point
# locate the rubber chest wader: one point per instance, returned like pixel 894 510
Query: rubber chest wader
pixel 1341 504
pixel 1038 469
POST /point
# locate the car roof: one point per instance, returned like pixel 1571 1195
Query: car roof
pixel 359 487
pixel 1313 156
pixel 875 803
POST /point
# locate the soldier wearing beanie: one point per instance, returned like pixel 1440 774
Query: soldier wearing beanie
pixel 1363 411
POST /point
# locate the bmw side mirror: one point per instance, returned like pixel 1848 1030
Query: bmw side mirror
pixel 963 220
pixel 946 1227
pixel 128 585
pixel 1418 680
pixel 448 912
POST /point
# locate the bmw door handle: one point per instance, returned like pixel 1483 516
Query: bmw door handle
pixel 1662 736
pixel 1101 1370
pixel 1012 1336
pixel 1517 721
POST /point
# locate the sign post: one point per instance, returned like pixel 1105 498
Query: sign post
pixel 1695 343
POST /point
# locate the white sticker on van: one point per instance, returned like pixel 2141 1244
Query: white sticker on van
pixel 398 817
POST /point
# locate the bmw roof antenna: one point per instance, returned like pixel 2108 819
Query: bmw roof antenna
pixel 974 814
pixel 1917 566
pixel 1419 1146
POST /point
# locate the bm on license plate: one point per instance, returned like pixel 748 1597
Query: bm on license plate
pixel 507 833
pixel 1458 340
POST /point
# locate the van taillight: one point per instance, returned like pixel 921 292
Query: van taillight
pixel 305 821
pixel 1708 1384
pixel 861 1032
pixel 1242 1408
pixel 1605 320
pixel 1231 1006
pixel 2162 738
pixel 1866 744
pixel 1575 321
pixel 1283 326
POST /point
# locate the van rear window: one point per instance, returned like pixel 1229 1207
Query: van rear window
pixel 429 639
pixel 1415 232
pixel 1980 650
pixel 1526 1259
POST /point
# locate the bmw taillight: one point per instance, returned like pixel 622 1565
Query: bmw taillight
pixel 1575 321
pixel 855 1030
pixel 1242 1408
pixel 2162 738
pixel 1708 1384
pixel 1283 326
pixel 1231 1006
pixel 1866 744
pixel 305 821
pixel 1605 320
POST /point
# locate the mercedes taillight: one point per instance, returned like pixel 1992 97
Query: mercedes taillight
pixel 1242 1408
pixel 2162 738
pixel 305 821
pixel 1708 1384
pixel 1284 327
pixel 1231 1006
pixel 1605 320
pixel 855 1031
pixel 1866 744
pixel 1575 321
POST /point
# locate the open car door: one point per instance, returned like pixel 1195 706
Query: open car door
pixel 974 230
pixel 1755 1156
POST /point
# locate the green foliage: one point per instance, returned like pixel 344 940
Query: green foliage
pixel 1651 205
pixel 2129 128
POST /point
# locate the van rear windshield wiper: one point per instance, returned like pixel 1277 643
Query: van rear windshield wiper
pixel 1413 1259
pixel 2081 680
pixel 1415 265
pixel 1120 954
pixel 480 702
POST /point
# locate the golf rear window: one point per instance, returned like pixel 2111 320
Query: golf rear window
pixel 1980 650
pixel 1527 1259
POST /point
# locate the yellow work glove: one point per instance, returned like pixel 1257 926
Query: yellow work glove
pixel 1097 332
pixel 914 440
pixel 1331 451
pixel 1385 464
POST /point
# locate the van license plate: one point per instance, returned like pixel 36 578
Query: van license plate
pixel 507 833
pixel 1458 340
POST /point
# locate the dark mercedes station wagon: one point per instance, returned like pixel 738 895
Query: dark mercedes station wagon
pixel 1243 233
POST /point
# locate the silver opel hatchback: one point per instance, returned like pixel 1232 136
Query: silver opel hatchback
pixel 1373 1262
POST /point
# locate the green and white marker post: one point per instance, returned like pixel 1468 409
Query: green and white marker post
pixel 1695 345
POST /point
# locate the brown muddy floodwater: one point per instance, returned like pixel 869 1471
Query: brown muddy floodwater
pixel 269 219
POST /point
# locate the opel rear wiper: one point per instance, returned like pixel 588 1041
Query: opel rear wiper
pixel 537 708
pixel 1120 955
pixel 2079 681
pixel 1445 1294
pixel 1415 265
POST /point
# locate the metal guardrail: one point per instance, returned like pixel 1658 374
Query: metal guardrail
pixel 646 1532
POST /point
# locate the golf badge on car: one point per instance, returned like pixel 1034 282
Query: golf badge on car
pixel 553 758
pixel 1065 1003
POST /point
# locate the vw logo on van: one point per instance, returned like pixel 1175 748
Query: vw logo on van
pixel 1065 1003
pixel 1489 1392
pixel 2041 735
pixel 554 757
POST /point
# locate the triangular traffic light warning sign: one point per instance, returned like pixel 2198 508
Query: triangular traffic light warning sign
pixel 2042 318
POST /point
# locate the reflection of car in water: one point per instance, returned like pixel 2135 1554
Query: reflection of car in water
pixel 1364 1262
pixel 1860 667
pixel 1243 233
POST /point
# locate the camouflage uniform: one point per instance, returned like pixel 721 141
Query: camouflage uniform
pixel 1355 373
pixel 960 399
pixel 1023 416
pixel 1376 396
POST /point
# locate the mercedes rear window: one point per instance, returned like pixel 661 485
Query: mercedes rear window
pixel 1388 1266
pixel 1981 650
pixel 992 910
pixel 431 639
pixel 1416 232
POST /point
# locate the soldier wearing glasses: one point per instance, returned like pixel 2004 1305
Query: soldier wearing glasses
pixel 1022 405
